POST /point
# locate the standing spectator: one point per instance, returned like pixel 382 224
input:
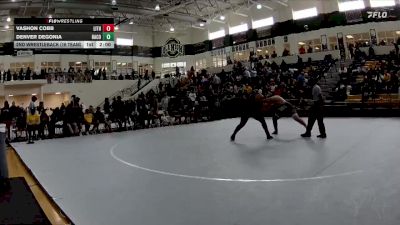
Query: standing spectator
pixel 88 120
pixel 32 121
pixel 396 48
pixel 44 122
pixel 28 74
pixel 106 106
pixel 316 112
pixel 6 118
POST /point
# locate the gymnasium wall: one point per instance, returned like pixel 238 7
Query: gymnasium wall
pixel 65 59
pixel 89 93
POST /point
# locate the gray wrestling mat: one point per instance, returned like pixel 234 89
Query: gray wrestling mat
pixel 193 174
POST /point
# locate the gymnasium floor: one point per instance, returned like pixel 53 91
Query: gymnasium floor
pixel 192 174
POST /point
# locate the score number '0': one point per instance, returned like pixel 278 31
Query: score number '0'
pixel 108 27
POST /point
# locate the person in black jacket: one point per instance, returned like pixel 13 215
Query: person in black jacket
pixel 6 118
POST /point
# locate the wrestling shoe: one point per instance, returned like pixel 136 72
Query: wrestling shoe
pixel 232 138
pixel 275 132
pixel 270 137
pixel 323 136
pixel 306 135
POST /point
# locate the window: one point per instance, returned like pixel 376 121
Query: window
pixel 124 42
pixel 201 64
pixel 16 67
pixel 241 52
pixel 361 39
pixel 388 37
pixel 124 68
pixel 50 66
pixel 346 5
pixel 170 68
pixel 305 13
pixel 216 34
pixel 78 66
pixel 238 29
pixel 265 48
pixel 145 67
pixel 219 58
pixel 314 44
pixel 102 65
pixel 382 3
pixel 263 22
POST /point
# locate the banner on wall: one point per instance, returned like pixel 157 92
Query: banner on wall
pixel 372 33
pixel 324 42
pixel 378 14
pixel 172 48
pixel 342 48
pixel 24 53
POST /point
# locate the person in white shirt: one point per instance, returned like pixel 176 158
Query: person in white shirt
pixel 316 112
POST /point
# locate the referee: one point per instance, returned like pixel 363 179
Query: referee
pixel 316 111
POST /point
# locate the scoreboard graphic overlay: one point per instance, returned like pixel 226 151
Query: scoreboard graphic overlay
pixel 45 33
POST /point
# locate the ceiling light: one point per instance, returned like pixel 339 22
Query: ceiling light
pixel 349 36
pixel 116 28
pixel 131 22
pixel 113 2
pixel 8 19
pixel 157 8
pixel 58 93
pixel 34 94
pixel 259 50
pixel 10 95
pixel 398 32
pixel 301 43
pixel 202 24
pixel 172 29
pixel 6 26
pixel 50 16
pixel 259 6
pixel 222 17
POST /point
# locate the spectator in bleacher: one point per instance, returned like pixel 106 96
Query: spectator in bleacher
pixel 285 53
pixel 371 52
pixel 120 77
pixel 310 49
pixel 274 55
pixel 302 50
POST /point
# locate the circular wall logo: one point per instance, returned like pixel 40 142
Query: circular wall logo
pixel 173 48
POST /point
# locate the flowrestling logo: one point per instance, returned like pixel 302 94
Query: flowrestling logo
pixel 377 14
pixel 173 48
